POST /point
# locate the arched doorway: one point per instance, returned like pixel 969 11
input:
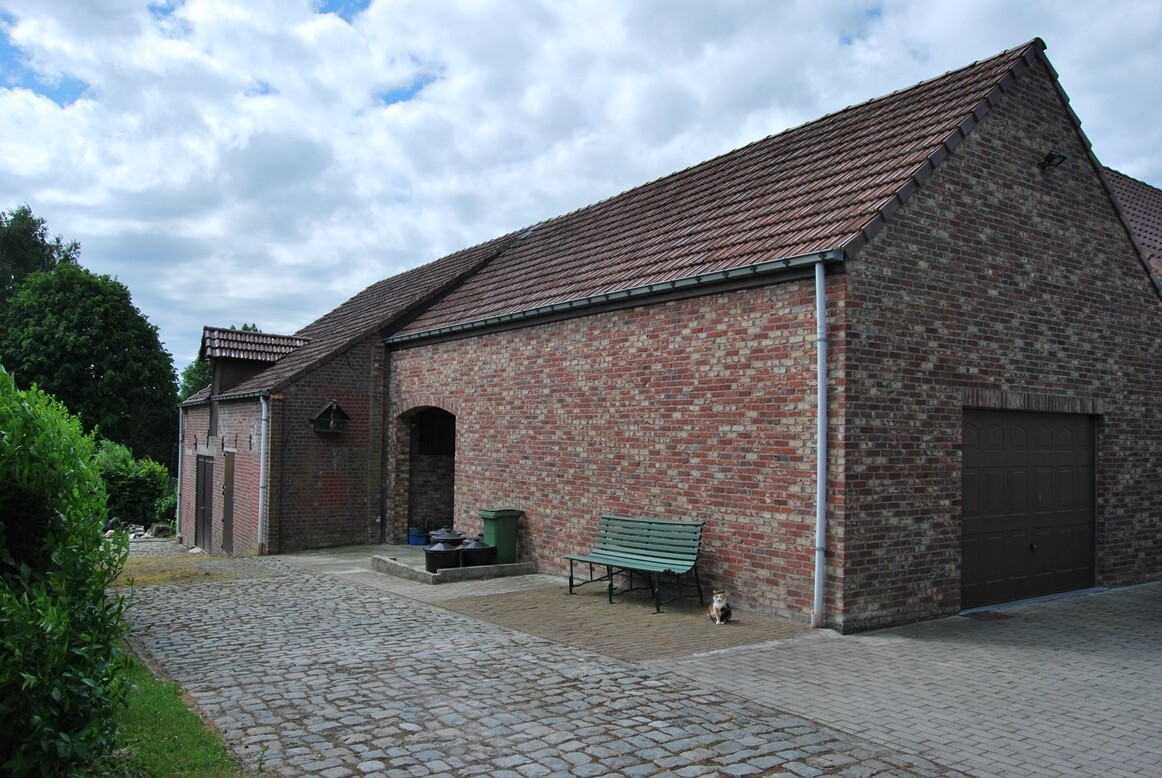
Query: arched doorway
pixel 432 469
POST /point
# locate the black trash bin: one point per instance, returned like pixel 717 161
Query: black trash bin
pixel 476 552
pixel 447 536
pixel 441 555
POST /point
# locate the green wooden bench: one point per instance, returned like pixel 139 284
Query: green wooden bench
pixel 655 547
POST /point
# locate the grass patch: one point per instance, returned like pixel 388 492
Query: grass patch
pixel 161 736
pixel 173 570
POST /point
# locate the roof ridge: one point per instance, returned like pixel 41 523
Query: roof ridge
pixel 1037 45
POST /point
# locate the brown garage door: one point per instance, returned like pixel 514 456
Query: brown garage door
pixel 1028 505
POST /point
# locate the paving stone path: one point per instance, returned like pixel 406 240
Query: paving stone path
pixel 307 673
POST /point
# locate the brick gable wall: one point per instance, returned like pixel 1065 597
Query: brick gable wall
pixel 325 486
pixel 997 285
pixel 693 409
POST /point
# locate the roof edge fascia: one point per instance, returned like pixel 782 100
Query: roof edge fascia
pixel 641 294
pixel 1034 50
pixel 1143 253
pixel 247 395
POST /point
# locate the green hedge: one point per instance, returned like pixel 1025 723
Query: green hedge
pixel 61 661
pixel 135 486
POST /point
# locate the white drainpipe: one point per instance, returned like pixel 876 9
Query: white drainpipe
pixel 263 450
pixel 821 445
pixel 177 515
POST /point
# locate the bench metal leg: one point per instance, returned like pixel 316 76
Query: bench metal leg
pixel 609 575
pixel 698 583
pixel 657 592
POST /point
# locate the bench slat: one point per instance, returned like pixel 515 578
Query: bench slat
pixel 633 544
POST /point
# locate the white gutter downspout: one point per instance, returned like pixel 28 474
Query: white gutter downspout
pixel 177 513
pixel 263 450
pixel 820 445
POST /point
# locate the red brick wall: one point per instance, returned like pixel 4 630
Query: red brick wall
pixel 239 431
pixel 194 436
pixel 695 409
pixel 1000 285
pixel 997 285
pixel 325 487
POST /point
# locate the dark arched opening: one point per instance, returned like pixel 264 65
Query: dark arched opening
pixel 432 473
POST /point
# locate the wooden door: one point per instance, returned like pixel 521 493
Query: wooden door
pixel 228 502
pixel 204 503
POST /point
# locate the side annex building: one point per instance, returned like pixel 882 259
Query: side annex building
pixel 974 298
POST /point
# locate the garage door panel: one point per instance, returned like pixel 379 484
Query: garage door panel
pixel 1043 488
pixel 1028 504
pixel 1083 484
pixel 993 491
pixel 1064 496
pixel 1016 490
pixel 1043 554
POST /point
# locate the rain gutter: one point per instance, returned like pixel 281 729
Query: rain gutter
pixel 664 287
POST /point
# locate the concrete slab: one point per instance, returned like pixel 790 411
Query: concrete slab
pixel 1054 687
pixel 389 565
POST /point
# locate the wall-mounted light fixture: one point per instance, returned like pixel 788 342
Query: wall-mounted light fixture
pixel 1052 159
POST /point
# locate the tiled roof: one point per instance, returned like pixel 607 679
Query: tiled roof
pixel 219 342
pixel 369 312
pixel 824 186
pixel 1141 206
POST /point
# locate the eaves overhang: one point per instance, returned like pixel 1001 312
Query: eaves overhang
pixel 247 395
pixel 700 284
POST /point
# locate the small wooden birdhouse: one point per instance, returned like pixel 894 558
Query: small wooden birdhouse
pixel 330 418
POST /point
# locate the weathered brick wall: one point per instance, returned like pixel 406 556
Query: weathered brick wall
pixel 325 486
pixel 694 409
pixel 431 499
pixel 1001 285
pixel 238 432
pixel 194 434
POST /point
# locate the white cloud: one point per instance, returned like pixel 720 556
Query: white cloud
pixel 263 160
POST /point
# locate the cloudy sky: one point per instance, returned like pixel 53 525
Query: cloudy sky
pixel 261 161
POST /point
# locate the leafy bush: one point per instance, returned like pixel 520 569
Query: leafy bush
pixel 134 486
pixel 61 662
pixel 166 508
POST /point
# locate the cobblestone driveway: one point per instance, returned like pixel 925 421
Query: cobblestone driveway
pixel 311 664
pixel 308 673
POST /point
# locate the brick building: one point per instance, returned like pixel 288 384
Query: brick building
pixel 974 298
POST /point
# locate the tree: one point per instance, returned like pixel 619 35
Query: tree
pixel 196 376
pixel 78 336
pixel 25 247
